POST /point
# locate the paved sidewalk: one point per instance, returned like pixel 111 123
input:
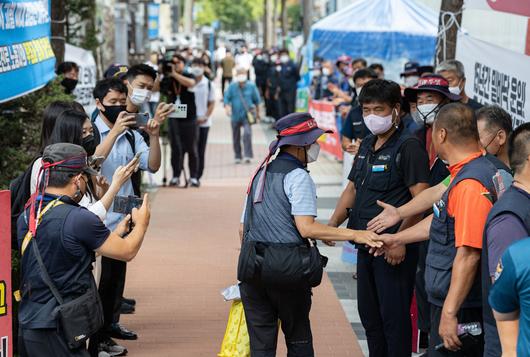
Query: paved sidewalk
pixel 190 254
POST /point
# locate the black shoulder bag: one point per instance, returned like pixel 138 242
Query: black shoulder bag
pixel 279 265
pixel 79 318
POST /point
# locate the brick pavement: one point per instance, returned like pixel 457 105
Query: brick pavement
pixel 185 263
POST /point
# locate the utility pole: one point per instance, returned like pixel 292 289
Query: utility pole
pixel 188 16
pixel 307 17
pixel 449 22
pixel 267 23
pixel 58 37
pixel 175 15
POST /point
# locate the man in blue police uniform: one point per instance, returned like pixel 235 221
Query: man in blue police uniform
pixel 278 219
pixel 289 77
pixel 508 222
pixel 67 237
pixel 390 165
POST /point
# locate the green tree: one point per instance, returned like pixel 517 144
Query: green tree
pixel 234 15
pixel 294 15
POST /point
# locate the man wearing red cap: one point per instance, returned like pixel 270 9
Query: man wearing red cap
pixel 279 218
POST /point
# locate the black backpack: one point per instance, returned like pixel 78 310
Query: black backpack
pixel 20 189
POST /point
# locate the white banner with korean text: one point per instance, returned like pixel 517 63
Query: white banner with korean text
pixel 495 75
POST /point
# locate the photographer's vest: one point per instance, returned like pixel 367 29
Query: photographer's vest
pixel 70 274
pixel 271 220
pixel 377 176
pixel 517 203
pixel 442 250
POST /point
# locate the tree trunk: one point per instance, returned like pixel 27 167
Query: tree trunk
pixel 283 19
pixel 307 17
pixel 58 16
pixel 446 50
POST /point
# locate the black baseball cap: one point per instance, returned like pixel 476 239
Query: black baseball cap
pixel 411 68
pixel 116 70
pixel 67 157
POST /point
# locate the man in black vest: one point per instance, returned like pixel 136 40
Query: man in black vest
pixel 390 165
pixel 280 213
pixel 67 237
pixel 508 222
pixel 455 230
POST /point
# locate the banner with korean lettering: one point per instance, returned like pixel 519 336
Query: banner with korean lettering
pixel 495 75
pixel 326 118
pixel 6 334
pixel 27 61
pixel 153 14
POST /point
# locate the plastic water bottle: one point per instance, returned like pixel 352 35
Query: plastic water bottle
pixel 472 328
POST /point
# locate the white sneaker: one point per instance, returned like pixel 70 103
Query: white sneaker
pixel 194 182
pixel 248 160
pixel 237 161
pixel 175 181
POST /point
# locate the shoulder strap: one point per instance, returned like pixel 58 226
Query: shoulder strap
pixel 44 274
pixel 243 101
pixel 130 138
pixel 28 237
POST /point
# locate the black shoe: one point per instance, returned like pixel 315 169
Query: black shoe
pixel 424 340
pixel 121 333
pixel 112 348
pixel 129 301
pixel 126 308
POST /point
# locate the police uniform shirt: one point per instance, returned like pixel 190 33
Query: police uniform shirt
pixel 354 127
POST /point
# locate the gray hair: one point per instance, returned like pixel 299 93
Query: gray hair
pixel 452 65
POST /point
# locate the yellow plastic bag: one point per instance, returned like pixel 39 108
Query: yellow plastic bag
pixel 236 342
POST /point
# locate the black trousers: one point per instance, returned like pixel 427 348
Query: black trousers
pixel 223 81
pixel 384 295
pixel 464 315
pixel 111 287
pixel 46 343
pixel 287 103
pixel 203 139
pixel 264 307
pixel 183 137
pixel 424 311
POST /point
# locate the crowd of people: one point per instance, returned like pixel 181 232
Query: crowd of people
pixel 437 201
pixel 442 181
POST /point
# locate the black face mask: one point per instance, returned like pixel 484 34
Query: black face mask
pixel 112 111
pixel 89 144
pixel 69 84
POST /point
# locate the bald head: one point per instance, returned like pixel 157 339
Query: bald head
pixel 459 122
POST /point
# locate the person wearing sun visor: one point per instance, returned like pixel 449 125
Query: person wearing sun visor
pixel 279 262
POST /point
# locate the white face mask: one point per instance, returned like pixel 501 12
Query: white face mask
pixel 284 59
pixel 326 71
pixel 274 58
pixel 316 72
pixel 358 90
pixel 278 68
pixel 378 124
pixel 411 81
pixel 428 112
pixel 140 96
pixel 197 71
pixel 312 153
pixel 455 90
pixel 241 78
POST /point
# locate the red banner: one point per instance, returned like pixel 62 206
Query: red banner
pixel 6 336
pixel 325 116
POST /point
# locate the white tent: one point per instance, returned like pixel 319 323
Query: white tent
pixel 391 32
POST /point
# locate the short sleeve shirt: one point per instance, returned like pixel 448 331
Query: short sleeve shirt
pixel 469 205
pixel 511 290
pixel 414 164
pixel 354 127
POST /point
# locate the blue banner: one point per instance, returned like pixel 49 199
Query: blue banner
pixel 27 61
pixel 153 11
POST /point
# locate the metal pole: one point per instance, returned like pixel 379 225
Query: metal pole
pixel 307 17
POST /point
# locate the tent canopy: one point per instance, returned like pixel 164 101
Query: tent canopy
pixel 386 30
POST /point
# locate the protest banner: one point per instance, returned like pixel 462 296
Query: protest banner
pixel 27 61
pixel 517 7
pixel 6 335
pixel 87 75
pixel 495 75
pixel 326 118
